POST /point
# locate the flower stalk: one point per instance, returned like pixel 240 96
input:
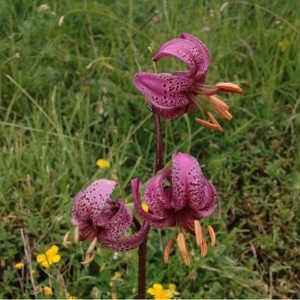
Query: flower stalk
pixel 142 252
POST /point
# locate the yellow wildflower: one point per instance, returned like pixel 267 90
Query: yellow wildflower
pixel 117 275
pixel 172 288
pixel 283 45
pixel 47 291
pixel 103 163
pixel 160 293
pixel 18 266
pixel 49 257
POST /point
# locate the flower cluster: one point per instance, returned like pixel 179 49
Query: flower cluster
pixel 178 198
pixel 179 195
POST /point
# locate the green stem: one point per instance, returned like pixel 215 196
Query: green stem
pixel 142 253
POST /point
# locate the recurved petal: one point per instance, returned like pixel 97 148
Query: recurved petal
pixel 203 198
pixel 163 90
pixel 80 210
pixel 155 196
pixel 185 173
pixel 184 50
pixel 191 188
pixel 156 221
pixel 202 56
pixel 190 185
pixel 173 113
pixel 114 220
pixel 126 243
pixel 90 201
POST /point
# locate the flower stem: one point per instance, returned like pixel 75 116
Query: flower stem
pixel 142 253
pixel 159 143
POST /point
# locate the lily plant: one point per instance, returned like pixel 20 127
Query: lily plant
pixel 178 196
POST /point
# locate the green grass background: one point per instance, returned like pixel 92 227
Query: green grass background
pixel 67 99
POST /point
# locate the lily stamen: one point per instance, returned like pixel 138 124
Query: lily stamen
pixel 167 251
pixel 92 246
pixel 214 121
pixel 224 113
pixel 183 249
pixel 66 241
pixel 218 103
pixel 88 259
pixel 212 235
pixel 76 235
pixel 198 233
pixel 203 248
pixel 229 87
pixel 207 124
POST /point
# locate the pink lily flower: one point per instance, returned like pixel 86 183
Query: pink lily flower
pixel 101 219
pixel 179 198
pixel 173 94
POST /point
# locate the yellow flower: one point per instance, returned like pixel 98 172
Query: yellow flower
pixel 19 266
pixel 160 293
pixel 283 45
pixel 47 291
pixel 172 288
pixel 102 163
pixel 49 257
pixel 72 298
pixel 117 275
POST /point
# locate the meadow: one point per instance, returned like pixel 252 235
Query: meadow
pixel 67 99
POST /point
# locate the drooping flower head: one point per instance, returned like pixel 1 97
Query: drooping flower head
pixel 173 94
pixel 179 198
pixel 101 219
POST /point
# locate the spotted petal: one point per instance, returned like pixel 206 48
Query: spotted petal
pixel 156 220
pixel 114 220
pixel 128 242
pixel 190 188
pixel 155 195
pixel 166 92
pixel 90 201
pixel 182 49
pixel 203 58
pixel 190 51
pixel 97 215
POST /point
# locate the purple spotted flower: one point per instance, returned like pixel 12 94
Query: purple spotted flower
pixel 173 94
pixel 179 198
pixel 104 220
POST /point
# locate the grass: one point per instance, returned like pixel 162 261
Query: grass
pixel 67 99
